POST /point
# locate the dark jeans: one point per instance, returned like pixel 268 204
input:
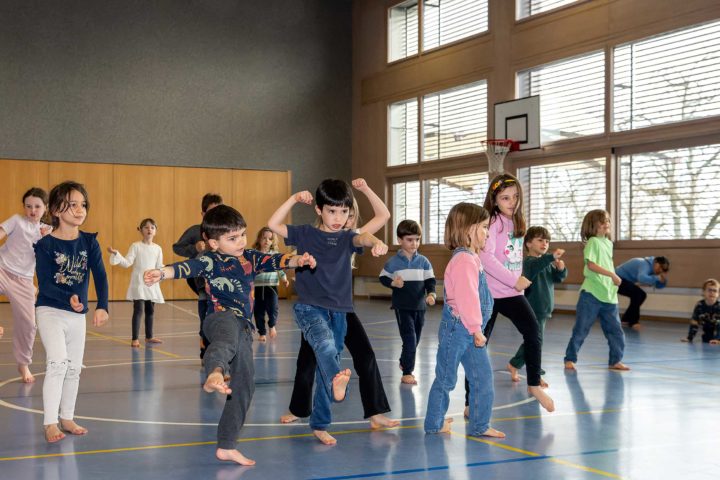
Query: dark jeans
pixel 637 297
pixel 202 312
pixel 518 310
pixel 266 301
pixel 137 313
pixel 357 342
pixel 410 323
pixel 231 349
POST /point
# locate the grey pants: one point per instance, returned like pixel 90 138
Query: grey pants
pixel 231 349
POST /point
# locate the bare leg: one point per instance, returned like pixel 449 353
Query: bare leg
pixel 289 418
pixel 513 373
pixel 545 401
pixel 233 456
pixel 24 370
pixel 543 383
pixel 324 437
pixel 339 384
pixel 262 338
pixel 71 427
pixel 381 421
pixel 216 383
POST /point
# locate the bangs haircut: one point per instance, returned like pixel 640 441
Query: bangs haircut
pixel 145 221
pixel 59 199
pixel 260 234
pixel 536 232
pixel 408 227
pixel 37 193
pixel 221 220
pixel 457 226
pixel 497 185
pixel 334 193
pixel 590 223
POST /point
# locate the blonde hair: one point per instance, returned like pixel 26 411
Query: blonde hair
pixel 590 224
pixel 710 281
pixel 457 226
pixel 258 239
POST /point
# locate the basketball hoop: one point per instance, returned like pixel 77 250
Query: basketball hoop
pixel 495 150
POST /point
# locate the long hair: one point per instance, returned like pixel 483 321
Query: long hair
pixel 258 239
pixel 497 185
pixel 589 227
pixel 59 199
pixel 43 196
pixel 457 226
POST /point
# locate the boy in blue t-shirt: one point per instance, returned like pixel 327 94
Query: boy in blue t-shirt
pixel 325 292
pixel 411 278
pixel 229 270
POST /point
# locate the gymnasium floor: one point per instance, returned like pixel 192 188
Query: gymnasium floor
pixel 149 419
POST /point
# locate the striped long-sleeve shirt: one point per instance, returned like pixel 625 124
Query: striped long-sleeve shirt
pixel 418 278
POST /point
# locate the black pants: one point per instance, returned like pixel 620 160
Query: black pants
pixel 410 323
pixel 357 342
pixel 518 310
pixel 708 329
pixel 231 349
pixel 202 312
pixel 137 313
pixel 637 297
pixel 266 302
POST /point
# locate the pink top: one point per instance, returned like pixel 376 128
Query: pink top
pixel 462 283
pixel 502 258
pixel 17 255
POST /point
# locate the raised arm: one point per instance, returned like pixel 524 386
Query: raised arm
pixel 380 210
pixel 277 220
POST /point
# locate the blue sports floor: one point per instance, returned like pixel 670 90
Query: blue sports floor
pixel 149 419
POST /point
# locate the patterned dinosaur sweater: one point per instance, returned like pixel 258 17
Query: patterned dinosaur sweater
pixel 229 279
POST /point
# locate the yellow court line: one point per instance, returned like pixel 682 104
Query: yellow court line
pixel 125 342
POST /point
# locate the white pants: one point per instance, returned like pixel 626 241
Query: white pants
pixel 63 336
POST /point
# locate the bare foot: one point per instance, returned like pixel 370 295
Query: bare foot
pixel 339 384
pixel 289 418
pixel 324 437
pixel 466 412
pixel 686 340
pixel 491 432
pixel 408 379
pixel 233 456
pixel 545 401
pixel 27 377
pixel 53 433
pixel 381 421
pixel 273 332
pixel 543 383
pixel 619 366
pixel 447 426
pixel 262 338
pixel 513 373
pixel 637 327
pixel 135 344
pixel 216 383
pixel 569 365
pixel 153 340
pixel 71 427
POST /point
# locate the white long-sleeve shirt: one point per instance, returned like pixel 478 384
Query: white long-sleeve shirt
pixel 141 257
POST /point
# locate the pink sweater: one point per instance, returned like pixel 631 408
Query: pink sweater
pixel 462 285
pixel 502 258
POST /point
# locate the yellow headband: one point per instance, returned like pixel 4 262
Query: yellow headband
pixel 497 184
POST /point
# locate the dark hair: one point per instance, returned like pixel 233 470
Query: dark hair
pixel 38 193
pixel 459 220
pixel 590 223
pixel 335 193
pixel 535 232
pixel 59 195
pixel 663 262
pixel 145 221
pixel 497 185
pixel 210 198
pixel 408 227
pixel 221 220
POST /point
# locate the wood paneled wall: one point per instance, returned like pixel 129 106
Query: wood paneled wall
pixel 122 195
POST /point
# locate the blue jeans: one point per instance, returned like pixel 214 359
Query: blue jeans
pixel 588 309
pixel 325 331
pixel 457 346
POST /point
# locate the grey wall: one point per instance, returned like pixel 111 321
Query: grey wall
pixel 262 84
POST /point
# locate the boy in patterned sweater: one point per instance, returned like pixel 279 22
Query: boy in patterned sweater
pixel 411 278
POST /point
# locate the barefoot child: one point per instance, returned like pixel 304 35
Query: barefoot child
pixel 142 256
pixel 411 278
pixel 468 306
pixel 325 294
pixel 706 314
pixel 64 260
pixel 229 270
pixel 598 292
pixel 17 267
pixel 266 284
pixel 543 270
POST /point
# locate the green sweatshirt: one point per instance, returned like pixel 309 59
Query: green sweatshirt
pixel 543 274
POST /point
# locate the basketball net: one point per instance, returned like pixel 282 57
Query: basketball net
pixel 495 151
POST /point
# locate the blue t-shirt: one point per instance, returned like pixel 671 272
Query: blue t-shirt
pixel 229 284
pixel 63 268
pixel 329 284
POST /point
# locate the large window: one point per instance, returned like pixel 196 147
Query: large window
pixel 526 8
pixel 669 78
pixel 403 133
pixel 558 196
pixel 572 96
pixel 429 201
pixel 403 31
pixel 671 194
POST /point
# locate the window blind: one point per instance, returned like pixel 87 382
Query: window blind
pixel 446 21
pixel 406 204
pixel 526 8
pixel 403 30
pixel 403 133
pixel 441 194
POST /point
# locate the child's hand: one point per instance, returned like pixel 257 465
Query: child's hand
pixel 2 332
pixel 286 282
pixel 522 283
pixel 75 304
pixel 560 265
pixel 479 339
pixel 100 317
pixel 112 251
pixel 360 184
pixel 304 197
pixel 200 246
pixel 378 249
pixel 306 260
pixel 559 252
pixel 430 299
pixel 45 230
pixel 397 282
pixel 616 280
pixel 151 277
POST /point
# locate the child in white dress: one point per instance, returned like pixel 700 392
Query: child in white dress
pixel 144 255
